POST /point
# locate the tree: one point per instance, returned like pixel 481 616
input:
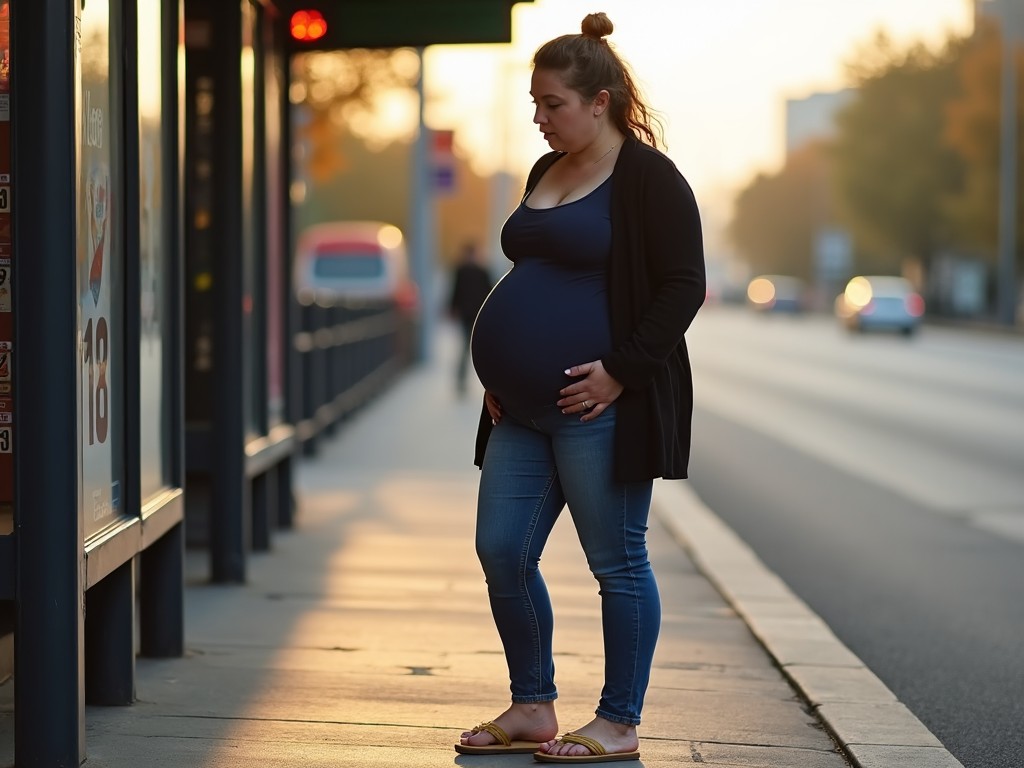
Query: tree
pixel 374 185
pixel 344 92
pixel 973 132
pixel 777 216
pixel 356 160
pixel 893 170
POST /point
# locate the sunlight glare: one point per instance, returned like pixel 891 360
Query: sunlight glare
pixel 858 293
pixel 761 291
pixel 717 73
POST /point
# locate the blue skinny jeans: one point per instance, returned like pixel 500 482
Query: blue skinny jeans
pixel 535 464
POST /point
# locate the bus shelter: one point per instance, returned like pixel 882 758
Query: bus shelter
pixel 155 368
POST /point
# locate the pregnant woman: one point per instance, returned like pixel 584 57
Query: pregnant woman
pixel 588 395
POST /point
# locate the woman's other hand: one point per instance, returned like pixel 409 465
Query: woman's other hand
pixel 592 394
pixel 493 407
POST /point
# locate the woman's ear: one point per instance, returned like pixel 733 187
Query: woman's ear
pixel 601 102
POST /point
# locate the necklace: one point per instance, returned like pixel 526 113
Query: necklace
pixel 602 157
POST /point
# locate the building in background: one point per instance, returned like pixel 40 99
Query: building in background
pixel 809 120
pixel 993 9
pixel 813 118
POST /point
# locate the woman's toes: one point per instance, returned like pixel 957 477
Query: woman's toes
pixel 556 747
pixel 478 739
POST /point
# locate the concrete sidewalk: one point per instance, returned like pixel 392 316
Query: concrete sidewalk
pixel 364 638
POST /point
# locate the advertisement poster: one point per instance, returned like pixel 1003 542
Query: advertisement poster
pixel 100 257
pixel 6 272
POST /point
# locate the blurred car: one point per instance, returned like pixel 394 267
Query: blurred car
pixel 362 260
pixel 880 303
pixel 777 293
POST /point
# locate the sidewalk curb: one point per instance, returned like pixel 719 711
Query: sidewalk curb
pixel 874 729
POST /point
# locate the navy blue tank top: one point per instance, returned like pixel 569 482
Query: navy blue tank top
pixel 551 310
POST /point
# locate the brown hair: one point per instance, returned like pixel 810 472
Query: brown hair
pixel 588 65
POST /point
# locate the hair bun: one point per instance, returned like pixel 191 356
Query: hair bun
pixel 597 25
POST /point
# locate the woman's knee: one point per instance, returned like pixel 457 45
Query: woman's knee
pixel 498 560
pixel 612 574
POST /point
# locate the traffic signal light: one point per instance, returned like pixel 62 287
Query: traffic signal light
pixel 334 24
pixel 307 26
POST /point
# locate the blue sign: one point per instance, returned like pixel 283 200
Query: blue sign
pixel 444 178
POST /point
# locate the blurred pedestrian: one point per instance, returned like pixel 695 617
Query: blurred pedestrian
pixel 588 395
pixel 471 282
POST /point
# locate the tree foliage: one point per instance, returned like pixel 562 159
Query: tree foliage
pixel 375 185
pixel 777 216
pixel 973 131
pixel 343 92
pixel 892 168
pixel 357 159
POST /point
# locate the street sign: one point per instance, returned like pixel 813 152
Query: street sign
pixel 442 161
pixel 833 251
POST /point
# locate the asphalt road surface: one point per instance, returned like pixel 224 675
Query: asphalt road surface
pixel 883 479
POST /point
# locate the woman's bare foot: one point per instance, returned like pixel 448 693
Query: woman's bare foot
pixel 614 737
pixel 523 722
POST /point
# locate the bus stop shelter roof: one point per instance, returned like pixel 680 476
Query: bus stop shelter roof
pixel 400 23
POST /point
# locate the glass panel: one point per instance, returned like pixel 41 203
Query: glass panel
pixel 154 235
pixel 253 310
pixel 200 251
pixel 100 266
pixel 273 87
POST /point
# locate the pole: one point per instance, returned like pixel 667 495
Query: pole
pixel 49 644
pixel 422 237
pixel 501 180
pixel 1007 282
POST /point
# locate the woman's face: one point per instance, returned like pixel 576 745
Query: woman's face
pixel 566 120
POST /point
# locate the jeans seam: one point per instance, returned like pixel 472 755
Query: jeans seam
pixel 628 719
pixel 528 599
pixel 636 596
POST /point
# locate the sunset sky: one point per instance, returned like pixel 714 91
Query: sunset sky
pixel 717 71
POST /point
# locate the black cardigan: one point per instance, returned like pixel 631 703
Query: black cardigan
pixel 656 284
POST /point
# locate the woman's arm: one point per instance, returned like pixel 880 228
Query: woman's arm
pixel 673 254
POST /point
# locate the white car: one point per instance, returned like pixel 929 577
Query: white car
pixel 355 260
pixel 880 303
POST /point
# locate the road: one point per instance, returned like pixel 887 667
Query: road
pixel 883 479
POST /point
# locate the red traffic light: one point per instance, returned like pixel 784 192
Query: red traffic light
pixel 308 26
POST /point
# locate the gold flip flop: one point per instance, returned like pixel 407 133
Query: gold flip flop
pixel 598 754
pixel 505 745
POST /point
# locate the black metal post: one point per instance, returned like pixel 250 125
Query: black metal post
pixel 285 495
pixel 162 596
pixel 291 357
pixel 229 518
pixel 214 56
pixel 263 498
pixel 109 639
pixel 49 710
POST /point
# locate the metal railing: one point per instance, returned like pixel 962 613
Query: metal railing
pixel 349 350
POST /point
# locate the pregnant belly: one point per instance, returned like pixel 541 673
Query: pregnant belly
pixel 534 326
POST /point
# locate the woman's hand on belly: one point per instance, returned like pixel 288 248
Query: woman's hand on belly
pixel 493 407
pixel 592 394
